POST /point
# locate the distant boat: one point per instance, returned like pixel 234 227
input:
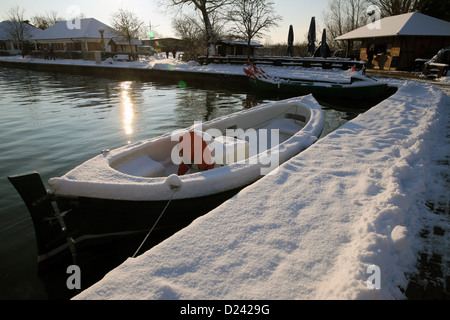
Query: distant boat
pixel 124 191
pixel 359 87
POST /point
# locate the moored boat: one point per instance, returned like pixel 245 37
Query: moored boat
pixel 358 87
pixel 126 190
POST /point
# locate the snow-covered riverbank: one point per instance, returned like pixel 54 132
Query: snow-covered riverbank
pixel 162 63
pixel 349 209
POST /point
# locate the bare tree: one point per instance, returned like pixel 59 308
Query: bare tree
pixel 435 8
pixel 47 20
pixel 127 25
pixel 356 12
pixel 395 7
pixel 344 16
pixel 18 29
pixel 207 8
pixel 251 18
pixel 191 31
pixel 149 32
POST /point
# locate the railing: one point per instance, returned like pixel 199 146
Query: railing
pixel 324 63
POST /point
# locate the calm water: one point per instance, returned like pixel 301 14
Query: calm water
pixel 51 122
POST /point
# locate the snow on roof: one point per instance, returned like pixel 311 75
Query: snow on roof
pixel 89 28
pixel 5 25
pixel 239 43
pixel 124 42
pixel 408 24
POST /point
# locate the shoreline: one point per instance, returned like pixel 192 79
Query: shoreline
pixel 129 72
pixel 185 74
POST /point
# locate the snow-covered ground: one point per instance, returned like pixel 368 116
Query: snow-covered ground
pixel 160 62
pixel 348 210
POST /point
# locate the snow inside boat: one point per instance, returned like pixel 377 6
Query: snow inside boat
pixel 139 172
pixel 124 191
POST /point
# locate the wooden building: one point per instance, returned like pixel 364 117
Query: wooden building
pixel 236 48
pixel 397 41
pixel 164 44
pixel 120 44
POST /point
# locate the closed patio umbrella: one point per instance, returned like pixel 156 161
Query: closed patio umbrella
pixel 312 37
pixel 290 49
pixel 324 49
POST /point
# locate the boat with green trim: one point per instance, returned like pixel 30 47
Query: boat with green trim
pixel 358 87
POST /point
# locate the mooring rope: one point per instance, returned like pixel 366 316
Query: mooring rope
pixel 154 225
pixel 69 239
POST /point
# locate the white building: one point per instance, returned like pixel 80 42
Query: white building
pixel 9 38
pixel 83 35
pixel 76 35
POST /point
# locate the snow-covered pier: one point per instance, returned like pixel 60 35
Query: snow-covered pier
pixel 358 215
pixel 342 220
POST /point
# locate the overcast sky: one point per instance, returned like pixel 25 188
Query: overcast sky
pixel 295 12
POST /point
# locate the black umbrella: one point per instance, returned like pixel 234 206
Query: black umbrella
pixel 324 49
pixel 312 37
pixel 290 49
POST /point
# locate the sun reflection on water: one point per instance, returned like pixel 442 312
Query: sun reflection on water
pixel 128 107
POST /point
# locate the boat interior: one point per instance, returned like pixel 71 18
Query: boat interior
pixel 231 139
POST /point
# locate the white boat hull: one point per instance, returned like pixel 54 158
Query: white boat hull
pixel 108 175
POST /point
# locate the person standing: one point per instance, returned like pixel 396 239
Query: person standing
pixel 52 53
pixel 370 55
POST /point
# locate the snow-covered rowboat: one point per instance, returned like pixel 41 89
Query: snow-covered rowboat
pixel 124 191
